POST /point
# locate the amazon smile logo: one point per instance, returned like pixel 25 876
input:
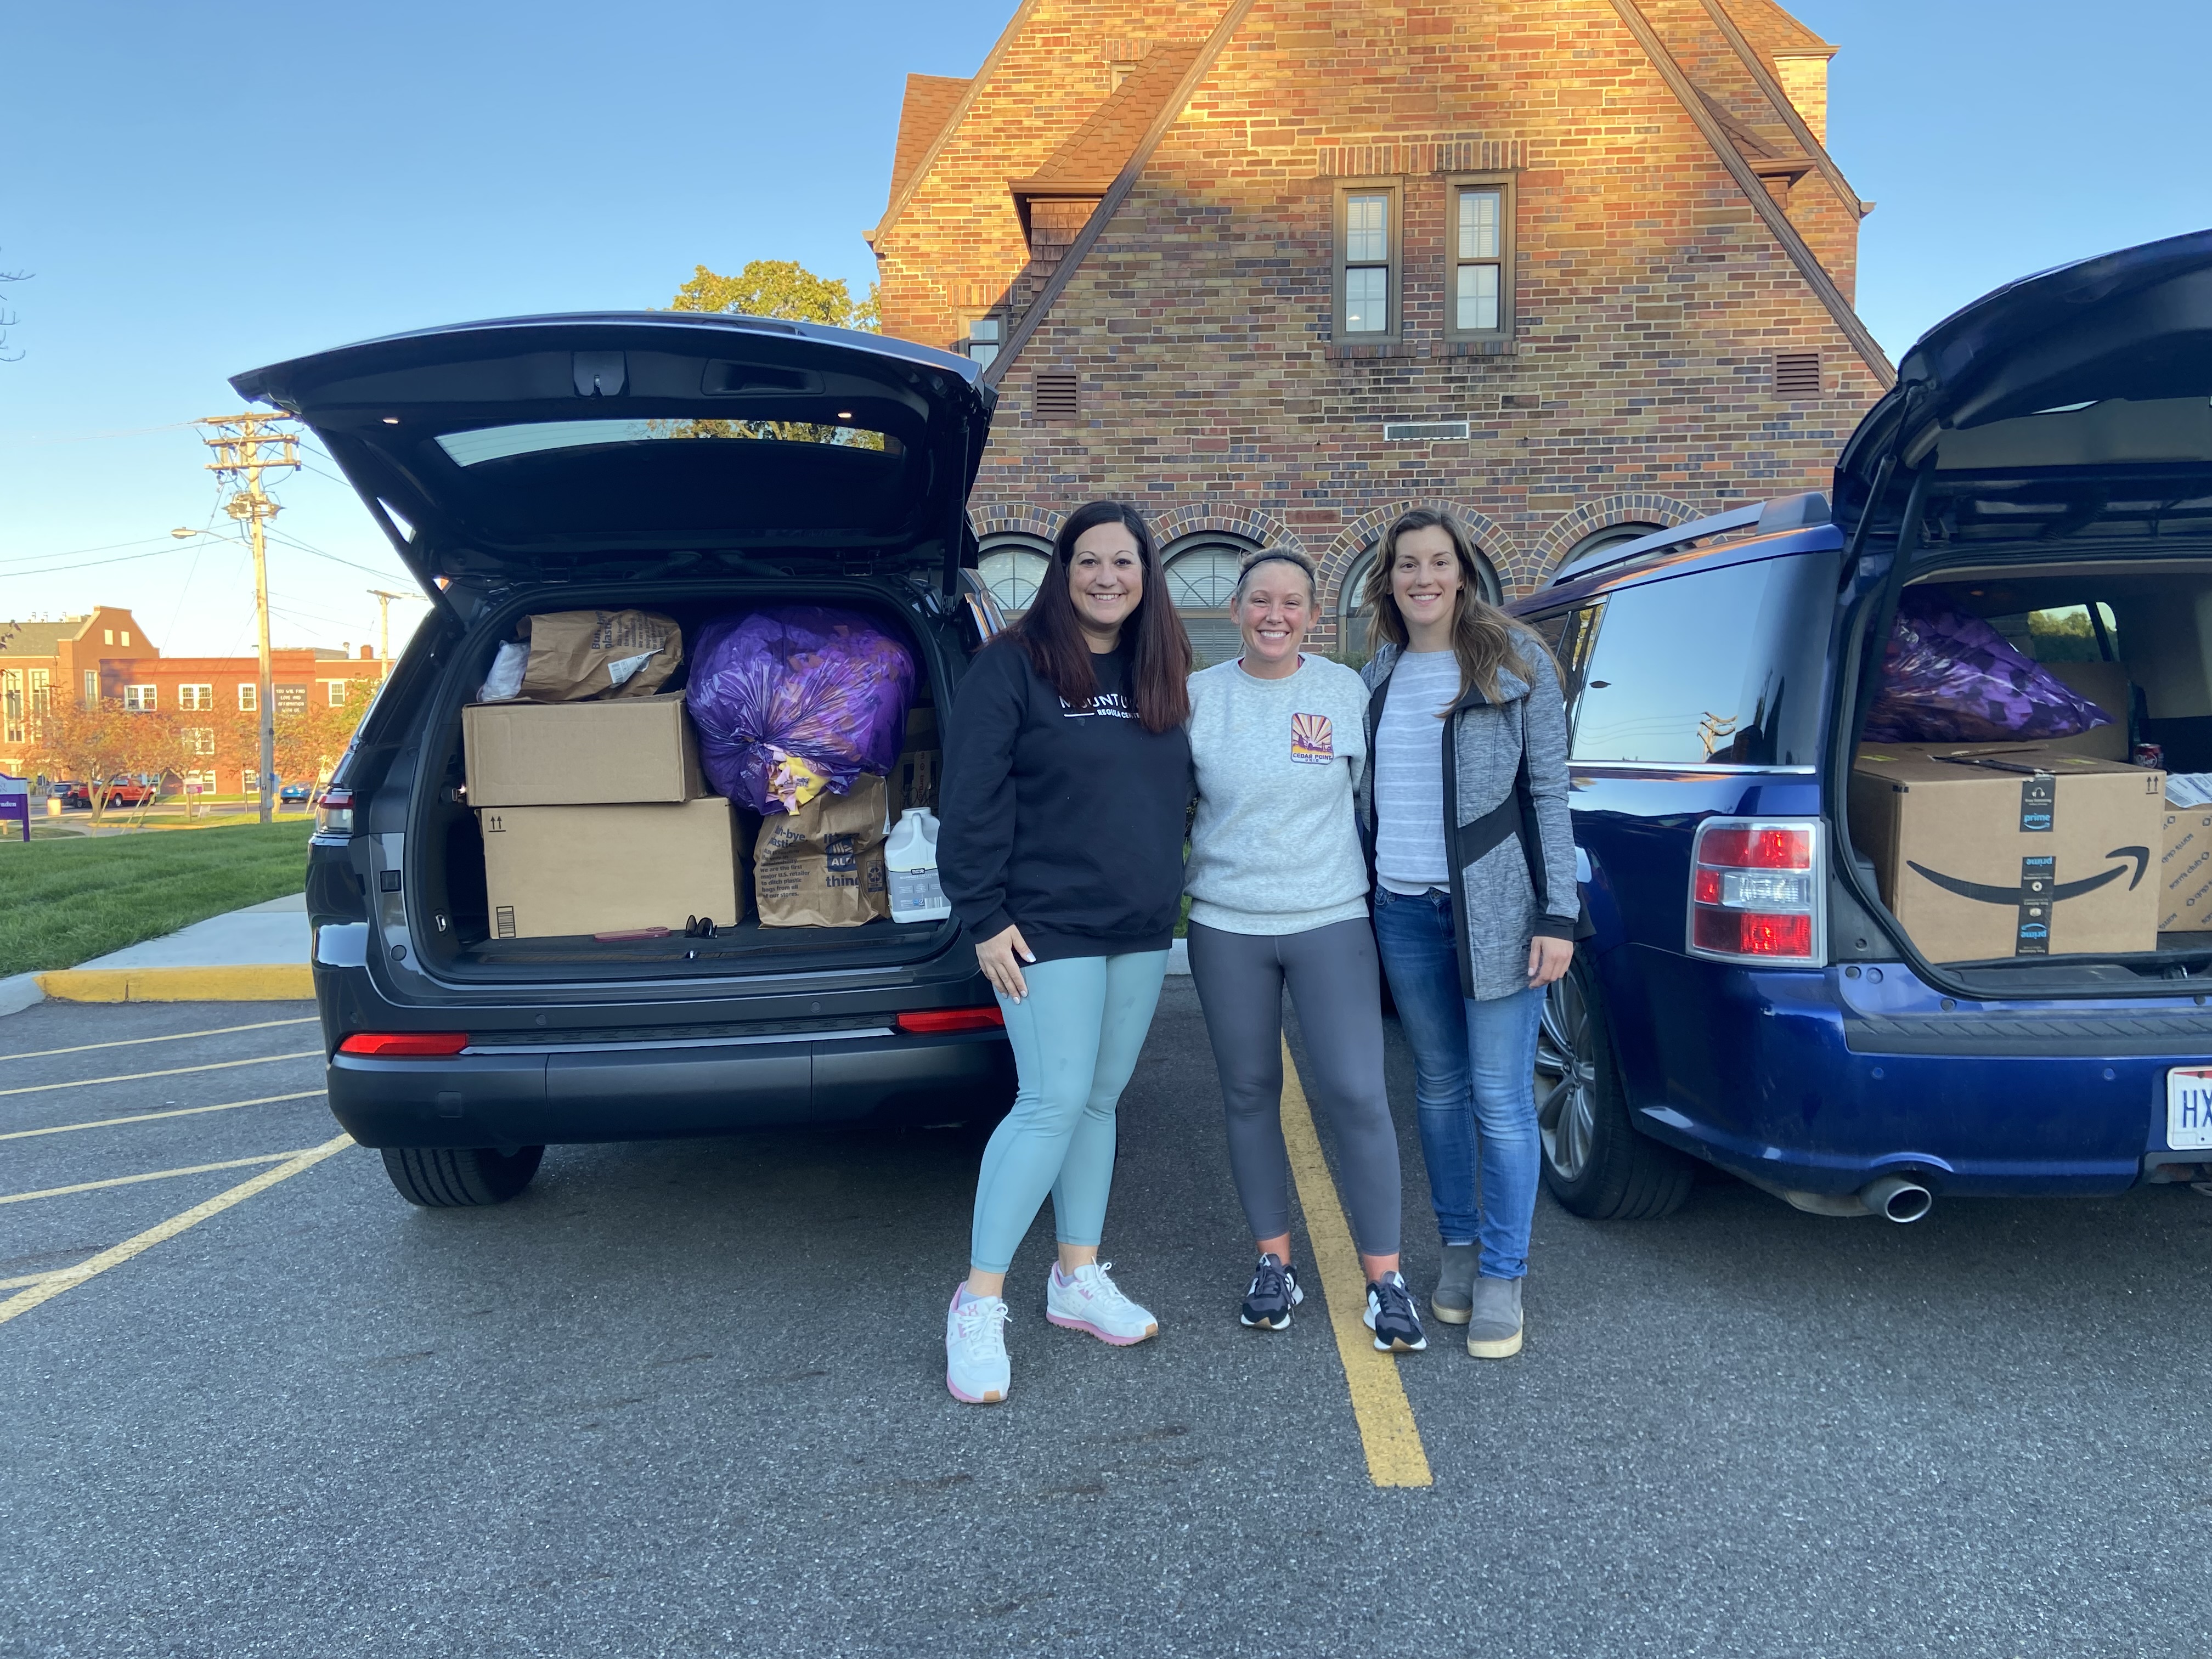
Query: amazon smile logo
pixel 2039 889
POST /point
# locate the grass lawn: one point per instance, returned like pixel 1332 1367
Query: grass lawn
pixel 62 902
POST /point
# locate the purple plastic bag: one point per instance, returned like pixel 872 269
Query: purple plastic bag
pixel 1950 677
pixel 794 699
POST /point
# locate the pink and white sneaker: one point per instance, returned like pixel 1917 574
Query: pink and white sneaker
pixel 975 1365
pixel 1087 1300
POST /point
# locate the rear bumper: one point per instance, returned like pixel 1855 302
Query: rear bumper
pixel 634 1091
pixel 1804 1080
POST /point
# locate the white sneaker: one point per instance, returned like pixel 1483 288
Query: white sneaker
pixel 975 1368
pixel 1088 1301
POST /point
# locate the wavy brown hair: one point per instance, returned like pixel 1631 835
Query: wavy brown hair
pixel 1484 638
pixel 1159 660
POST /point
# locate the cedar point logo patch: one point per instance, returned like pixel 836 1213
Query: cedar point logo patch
pixel 1313 740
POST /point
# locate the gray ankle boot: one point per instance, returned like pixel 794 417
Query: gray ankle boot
pixel 1454 1296
pixel 1493 1328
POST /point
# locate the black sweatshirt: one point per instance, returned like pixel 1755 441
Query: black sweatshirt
pixel 1066 822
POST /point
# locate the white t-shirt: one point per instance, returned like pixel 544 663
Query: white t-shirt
pixel 1409 773
pixel 1275 846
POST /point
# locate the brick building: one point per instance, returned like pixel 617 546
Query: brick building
pixel 1277 270
pixel 104 655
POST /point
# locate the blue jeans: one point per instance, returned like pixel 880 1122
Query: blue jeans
pixel 1473 1080
pixel 1076 1037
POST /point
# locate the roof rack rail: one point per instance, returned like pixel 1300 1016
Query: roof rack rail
pixel 1783 513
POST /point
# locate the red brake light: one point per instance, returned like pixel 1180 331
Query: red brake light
pixel 391 1045
pixel 334 812
pixel 1749 933
pixel 933 1021
pixel 1764 847
pixel 1709 886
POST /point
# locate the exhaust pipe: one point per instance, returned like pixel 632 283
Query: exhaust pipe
pixel 1895 1199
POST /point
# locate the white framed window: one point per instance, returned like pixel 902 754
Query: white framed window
pixel 91 687
pixel 985 335
pixel 1201 573
pixel 126 636
pixel 199 739
pixel 338 692
pixel 249 698
pixel 249 783
pixel 1480 241
pixel 1013 568
pixel 1367 244
pixel 193 697
pixel 141 699
pixel 12 707
pixel 107 636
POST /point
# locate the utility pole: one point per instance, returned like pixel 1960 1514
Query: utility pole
pixel 241 443
pixel 384 627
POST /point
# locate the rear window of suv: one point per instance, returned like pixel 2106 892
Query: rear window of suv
pixel 1714 667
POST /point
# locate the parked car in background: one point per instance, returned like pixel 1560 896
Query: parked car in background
pixel 2044 463
pixel 297 794
pixel 686 464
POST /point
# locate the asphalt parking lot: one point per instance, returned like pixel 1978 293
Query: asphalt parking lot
pixel 688 1399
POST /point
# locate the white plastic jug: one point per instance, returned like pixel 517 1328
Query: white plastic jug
pixel 910 855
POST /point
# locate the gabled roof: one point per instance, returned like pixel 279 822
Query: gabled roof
pixel 930 103
pixel 1093 156
pixel 1774 31
pixel 903 183
pixel 39 639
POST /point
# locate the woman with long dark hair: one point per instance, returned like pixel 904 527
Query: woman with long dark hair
pixel 1067 778
pixel 1475 895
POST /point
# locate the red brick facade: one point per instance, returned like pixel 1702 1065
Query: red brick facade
pixel 1142 202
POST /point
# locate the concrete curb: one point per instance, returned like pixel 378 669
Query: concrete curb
pixel 19 992
pixel 268 982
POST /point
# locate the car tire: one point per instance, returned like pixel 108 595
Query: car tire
pixel 1596 1162
pixel 459 1177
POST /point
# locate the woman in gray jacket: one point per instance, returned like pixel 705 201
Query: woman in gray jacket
pixel 1464 803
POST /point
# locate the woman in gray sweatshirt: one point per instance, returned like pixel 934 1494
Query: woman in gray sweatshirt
pixel 1277 887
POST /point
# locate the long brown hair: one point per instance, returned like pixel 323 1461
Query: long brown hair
pixel 1484 638
pixel 1159 660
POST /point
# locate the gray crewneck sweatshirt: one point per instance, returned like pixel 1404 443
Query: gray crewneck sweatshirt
pixel 1275 846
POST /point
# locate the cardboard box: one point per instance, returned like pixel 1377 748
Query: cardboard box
pixel 556 870
pixel 581 754
pixel 1987 851
pixel 2185 868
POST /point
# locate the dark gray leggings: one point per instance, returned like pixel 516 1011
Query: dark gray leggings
pixel 1333 984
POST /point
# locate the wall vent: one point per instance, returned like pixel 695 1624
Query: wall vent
pixel 1423 432
pixel 1797 374
pixel 1056 396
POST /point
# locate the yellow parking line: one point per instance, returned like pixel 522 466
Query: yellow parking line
pixel 1387 1429
pixel 23 1301
pixel 171 1036
pixel 30 1278
pixel 175 1071
pixel 148 1117
pixel 155 1174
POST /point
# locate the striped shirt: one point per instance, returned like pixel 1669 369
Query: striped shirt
pixel 1409 773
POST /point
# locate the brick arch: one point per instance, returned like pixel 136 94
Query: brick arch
pixel 1195 518
pixel 1495 542
pixel 1640 506
pixel 1000 517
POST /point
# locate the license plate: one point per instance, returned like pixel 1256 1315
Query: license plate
pixel 2189 1107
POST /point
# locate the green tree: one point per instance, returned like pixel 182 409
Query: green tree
pixel 779 288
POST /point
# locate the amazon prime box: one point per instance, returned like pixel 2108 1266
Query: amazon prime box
pixel 1993 851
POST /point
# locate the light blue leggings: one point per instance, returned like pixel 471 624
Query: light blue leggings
pixel 1076 1037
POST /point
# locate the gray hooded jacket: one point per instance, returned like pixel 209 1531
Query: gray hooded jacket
pixel 1495 909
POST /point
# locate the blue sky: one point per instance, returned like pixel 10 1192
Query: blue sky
pixel 198 191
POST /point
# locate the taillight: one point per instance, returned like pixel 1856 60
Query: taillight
pixel 1757 891
pixel 931 1022
pixel 334 812
pixel 400 1045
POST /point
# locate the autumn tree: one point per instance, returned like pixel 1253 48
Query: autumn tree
pixel 310 741
pixel 103 745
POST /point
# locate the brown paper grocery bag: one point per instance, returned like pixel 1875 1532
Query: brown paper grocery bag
pixel 823 865
pixel 575 654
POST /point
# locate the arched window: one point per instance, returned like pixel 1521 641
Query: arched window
pixel 1012 566
pixel 1356 628
pixel 1201 576
pixel 1614 535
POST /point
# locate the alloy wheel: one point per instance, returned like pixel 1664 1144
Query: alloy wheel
pixel 1566 1116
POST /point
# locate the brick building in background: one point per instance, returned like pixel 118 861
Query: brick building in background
pixel 104 655
pixel 1277 270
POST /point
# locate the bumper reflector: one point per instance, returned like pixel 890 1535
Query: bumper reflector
pixel 933 1021
pixel 394 1045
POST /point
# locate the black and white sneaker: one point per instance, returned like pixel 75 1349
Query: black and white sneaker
pixel 1274 1292
pixel 1391 1315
